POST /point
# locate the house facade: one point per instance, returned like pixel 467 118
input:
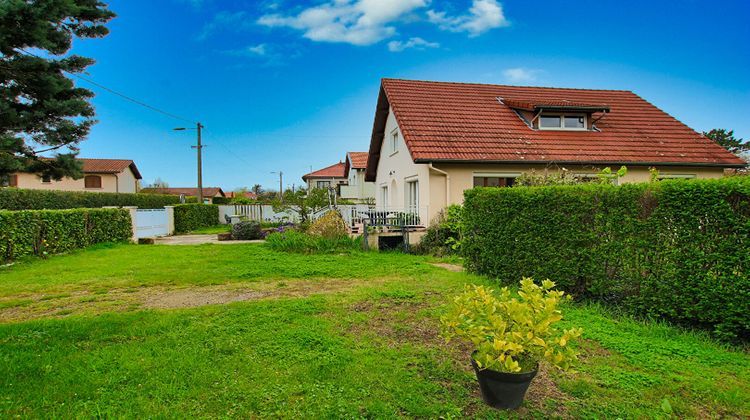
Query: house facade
pixel 99 175
pixel 431 141
pixel 330 176
pixel 357 189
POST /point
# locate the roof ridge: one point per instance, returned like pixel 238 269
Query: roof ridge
pixel 504 85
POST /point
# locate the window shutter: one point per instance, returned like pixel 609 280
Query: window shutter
pixel 92 181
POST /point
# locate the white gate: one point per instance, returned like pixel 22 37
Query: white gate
pixel 150 223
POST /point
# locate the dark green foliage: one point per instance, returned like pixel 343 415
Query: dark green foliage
pixel 20 199
pixel 443 237
pixel 247 230
pixel 726 139
pixel 300 242
pixel 41 109
pixel 220 200
pixel 675 249
pixel 189 217
pixel 43 232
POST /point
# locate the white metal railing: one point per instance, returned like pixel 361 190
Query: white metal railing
pixel 387 216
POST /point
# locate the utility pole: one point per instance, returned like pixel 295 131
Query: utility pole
pixel 281 185
pixel 199 148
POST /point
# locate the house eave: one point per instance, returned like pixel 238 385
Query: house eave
pixel 588 162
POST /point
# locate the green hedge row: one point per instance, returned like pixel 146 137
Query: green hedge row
pixel 678 250
pixel 189 217
pixel 43 232
pixel 21 199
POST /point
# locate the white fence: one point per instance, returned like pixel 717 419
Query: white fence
pixel 151 222
pixel 352 214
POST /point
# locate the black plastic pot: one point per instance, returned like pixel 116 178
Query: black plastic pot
pixel 503 390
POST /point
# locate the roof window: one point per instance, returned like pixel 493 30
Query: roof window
pixel 563 122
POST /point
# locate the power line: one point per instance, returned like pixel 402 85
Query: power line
pixel 114 92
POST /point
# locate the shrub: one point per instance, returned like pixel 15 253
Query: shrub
pixel 189 217
pixel 673 249
pixel 220 200
pixel 443 237
pixel 300 242
pixel 43 232
pixel 330 225
pixel 247 230
pixel 21 199
pixel 512 334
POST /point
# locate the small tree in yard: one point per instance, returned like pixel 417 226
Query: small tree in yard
pixel 302 202
pixel 41 110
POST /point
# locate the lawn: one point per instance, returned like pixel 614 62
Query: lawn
pixel 242 331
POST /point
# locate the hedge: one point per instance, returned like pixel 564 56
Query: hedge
pixel 678 250
pixel 43 232
pixel 21 199
pixel 189 217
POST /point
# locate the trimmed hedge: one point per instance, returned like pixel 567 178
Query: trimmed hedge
pixel 43 232
pixel 189 217
pixel 21 199
pixel 678 250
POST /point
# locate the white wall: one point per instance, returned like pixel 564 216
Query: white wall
pixel 395 169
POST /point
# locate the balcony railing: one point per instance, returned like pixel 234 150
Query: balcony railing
pixel 408 216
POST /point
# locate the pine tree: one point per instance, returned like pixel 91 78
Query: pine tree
pixel 41 110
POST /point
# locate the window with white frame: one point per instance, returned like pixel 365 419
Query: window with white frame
pixel 562 122
pixel 412 195
pixel 394 141
pixel 323 184
pixel 384 196
pixel 495 179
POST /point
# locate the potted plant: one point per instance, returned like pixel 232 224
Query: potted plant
pixel 511 336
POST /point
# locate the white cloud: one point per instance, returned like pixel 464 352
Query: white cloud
pixel 520 75
pixel 483 16
pixel 416 43
pixel 260 49
pixel 357 22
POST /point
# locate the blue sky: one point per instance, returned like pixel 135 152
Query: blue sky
pixel 284 85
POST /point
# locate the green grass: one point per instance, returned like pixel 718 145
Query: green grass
pixel 210 230
pixel 367 351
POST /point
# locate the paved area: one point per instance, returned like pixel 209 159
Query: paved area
pixel 198 240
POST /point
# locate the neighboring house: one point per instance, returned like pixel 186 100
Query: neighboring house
pixel 431 141
pixel 330 176
pixel 208 192
pixel 247 194
pixel 99 175
pixel 357 189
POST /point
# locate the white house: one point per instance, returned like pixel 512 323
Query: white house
pixel 357 189
pixel 99 175
pixel 431 141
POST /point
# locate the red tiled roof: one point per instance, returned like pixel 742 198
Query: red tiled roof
pixel 189 192
pixel 248 194
pixel 536 104
pixel 334 171
pixel 109 166
pixel 358 159
pixel 454 122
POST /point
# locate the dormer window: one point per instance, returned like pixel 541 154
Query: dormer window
pixel 562 122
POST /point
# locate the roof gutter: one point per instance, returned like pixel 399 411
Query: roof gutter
pixel 447 183
pixel 573 162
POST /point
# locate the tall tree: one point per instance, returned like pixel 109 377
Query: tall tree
pixel 159 183
pixel 41 110
pixel 257 189
pixel 726 139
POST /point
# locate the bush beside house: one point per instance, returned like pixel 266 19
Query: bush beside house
pixel 675 249
pixel 43 232
pixel 21 199
pixel 189 217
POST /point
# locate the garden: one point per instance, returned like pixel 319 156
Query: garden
pixel 586 301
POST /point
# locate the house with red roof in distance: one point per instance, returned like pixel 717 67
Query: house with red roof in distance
pixel 241 194
pixel 209 193
pixel 99 175
pixel 431 141
pixel 356 188
pixel 330 176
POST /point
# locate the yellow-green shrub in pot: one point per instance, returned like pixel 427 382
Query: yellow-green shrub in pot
pixel 511 336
